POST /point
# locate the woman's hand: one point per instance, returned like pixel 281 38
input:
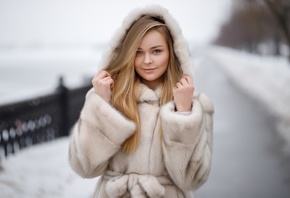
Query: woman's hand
pixel 103 83
pixel 183 93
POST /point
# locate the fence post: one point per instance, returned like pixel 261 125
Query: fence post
pixel 64 117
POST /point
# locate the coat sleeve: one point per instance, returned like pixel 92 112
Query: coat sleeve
pixel 97 136
pixel 187 142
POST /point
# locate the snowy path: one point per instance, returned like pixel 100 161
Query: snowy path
pixel 247 161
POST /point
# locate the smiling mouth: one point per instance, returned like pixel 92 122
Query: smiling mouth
pixel 149 70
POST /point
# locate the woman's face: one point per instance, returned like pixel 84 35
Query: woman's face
pixel 151 59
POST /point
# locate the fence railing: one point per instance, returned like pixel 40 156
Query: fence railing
pixel 39 119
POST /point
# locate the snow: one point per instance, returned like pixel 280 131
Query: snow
pixel 43 170
pixel 264 78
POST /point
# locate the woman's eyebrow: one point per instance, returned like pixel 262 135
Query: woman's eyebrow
pixel 154 47
pixel 157 46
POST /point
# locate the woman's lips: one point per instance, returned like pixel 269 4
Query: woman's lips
pixel 149 70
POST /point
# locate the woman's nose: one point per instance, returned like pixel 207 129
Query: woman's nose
pixel 147 59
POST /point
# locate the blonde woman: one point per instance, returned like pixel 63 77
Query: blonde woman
pixel 142 129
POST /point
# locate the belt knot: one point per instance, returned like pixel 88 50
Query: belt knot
pixel 135 185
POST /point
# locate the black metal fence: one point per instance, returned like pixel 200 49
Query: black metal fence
pixel 39 119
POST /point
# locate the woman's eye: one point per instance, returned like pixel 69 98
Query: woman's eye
pixel 157 51
pixel 139 52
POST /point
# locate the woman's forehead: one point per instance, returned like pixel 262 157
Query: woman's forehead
pixel 153 39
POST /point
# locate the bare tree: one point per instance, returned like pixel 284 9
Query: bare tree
pixel 281 12
pixel 254 22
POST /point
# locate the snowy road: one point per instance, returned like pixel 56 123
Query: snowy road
pixel 247 161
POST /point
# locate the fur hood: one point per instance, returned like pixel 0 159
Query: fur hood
pixel 180 45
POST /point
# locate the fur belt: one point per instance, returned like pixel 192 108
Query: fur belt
pixel 134 185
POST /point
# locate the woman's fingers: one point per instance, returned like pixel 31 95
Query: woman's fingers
pixel 183 94
pixel 108 81
pixel 101 74
pixel 102 77
pixel 186 81
pixel 103 83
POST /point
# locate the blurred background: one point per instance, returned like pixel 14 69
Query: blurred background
pixel 40 40
pixel 49 51
pixel 259 26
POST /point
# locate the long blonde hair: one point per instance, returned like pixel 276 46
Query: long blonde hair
pixel 125 92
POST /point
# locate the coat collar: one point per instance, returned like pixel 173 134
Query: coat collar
pixel 149 95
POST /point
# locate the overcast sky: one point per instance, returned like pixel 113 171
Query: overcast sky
pixel 91 22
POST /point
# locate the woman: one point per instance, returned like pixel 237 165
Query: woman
pixel 142 129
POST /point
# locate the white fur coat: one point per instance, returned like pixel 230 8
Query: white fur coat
pixel 170 165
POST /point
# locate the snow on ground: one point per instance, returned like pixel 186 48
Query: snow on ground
pixel 267 79
pixel 43 170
